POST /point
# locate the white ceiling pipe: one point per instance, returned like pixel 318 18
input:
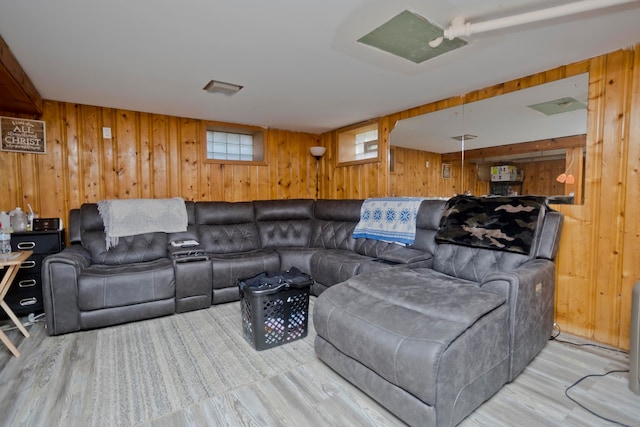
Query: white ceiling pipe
pixel 461 28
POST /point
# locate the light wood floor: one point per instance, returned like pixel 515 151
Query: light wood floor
pixel 51 371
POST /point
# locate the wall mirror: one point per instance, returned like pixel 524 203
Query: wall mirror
pixel 534 139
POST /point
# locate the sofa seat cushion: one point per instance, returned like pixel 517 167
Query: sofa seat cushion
pixel 107 286
pixel 227 268
pixel 400 321
pixel 299 257
pixel 331 266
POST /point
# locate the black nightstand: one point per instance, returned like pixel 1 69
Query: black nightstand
pixel 25 295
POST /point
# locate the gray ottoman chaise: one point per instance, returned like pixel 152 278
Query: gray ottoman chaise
pixel 432 342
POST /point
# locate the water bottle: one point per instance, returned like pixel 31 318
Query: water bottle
pixel 5 241
pixel 18 220
pixel 5 220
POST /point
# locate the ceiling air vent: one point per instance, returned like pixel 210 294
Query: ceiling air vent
pixel 407 35
pixel 557 106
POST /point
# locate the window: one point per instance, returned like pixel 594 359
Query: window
pixel 230 144
pixel 358 144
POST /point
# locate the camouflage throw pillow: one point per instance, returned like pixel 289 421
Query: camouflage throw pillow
pixel 501 223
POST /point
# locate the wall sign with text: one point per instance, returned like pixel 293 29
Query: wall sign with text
pixel 23 135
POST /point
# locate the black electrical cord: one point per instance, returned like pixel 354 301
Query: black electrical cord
pixel 555 338
pixel 566 391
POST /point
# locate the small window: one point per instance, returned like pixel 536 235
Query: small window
pixel 228 144
pixel 358 144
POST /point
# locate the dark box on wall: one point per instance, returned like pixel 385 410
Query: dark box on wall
pixel 46 224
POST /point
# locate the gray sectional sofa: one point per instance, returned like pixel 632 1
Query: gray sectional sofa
pixel 430 330
pixel 87 286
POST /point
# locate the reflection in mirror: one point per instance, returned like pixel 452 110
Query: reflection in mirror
pixel 523 142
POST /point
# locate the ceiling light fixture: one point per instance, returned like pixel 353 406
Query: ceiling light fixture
pixel 463 137
pixel 215 86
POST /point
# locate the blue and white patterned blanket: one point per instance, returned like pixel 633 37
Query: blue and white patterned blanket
pixel 392 219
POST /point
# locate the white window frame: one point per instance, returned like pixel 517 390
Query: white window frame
pixel 359 144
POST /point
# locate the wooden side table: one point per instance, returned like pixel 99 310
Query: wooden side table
pixel 12 262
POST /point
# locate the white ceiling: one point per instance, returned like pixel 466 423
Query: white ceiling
pixel 298 60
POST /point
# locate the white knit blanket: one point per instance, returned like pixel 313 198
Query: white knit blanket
pixel 129 217
pixel 391 219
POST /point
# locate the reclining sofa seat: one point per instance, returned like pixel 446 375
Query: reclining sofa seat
pixel 96 287
pixel 433 342
pixel 228 233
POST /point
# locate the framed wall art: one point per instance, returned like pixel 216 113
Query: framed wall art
pixel 23 135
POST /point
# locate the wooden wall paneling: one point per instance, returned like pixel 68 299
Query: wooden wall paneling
pixel 282 184
pixel 577 261
pixel 95 158
pixel 228 183
pixel 206 177
pixel 126 154
pixel 159 156
pixel 216 184
pixel 260 180
pixel 335 174
pixel 573 307
pixel 51 170
pixel 540 177
pixel 190 159
pixel 145 163
pixel 175 160
pixel 303 166
pixel 610 218
pixel 108 117
pixel 271 141
pixel 28 179
pixel 18 92
pixel 575 165
pixel 299 166
pixel 241 183
pixel 73 163
pixel 631 237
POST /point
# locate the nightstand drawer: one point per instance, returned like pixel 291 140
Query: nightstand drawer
pixel 33 264
pixel 39 243
pixel 25 299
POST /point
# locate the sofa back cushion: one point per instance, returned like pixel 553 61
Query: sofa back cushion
pixel 427 224
pixel 284 223
pixel 501 223
pixel 130 249
pixel 473 263
pixel 334 223
pixel 226 227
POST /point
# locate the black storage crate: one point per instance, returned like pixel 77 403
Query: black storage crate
pixel 275 307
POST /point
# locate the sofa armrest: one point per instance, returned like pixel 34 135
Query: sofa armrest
pixel 194 277
pixel 530 293
pixel 60 274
